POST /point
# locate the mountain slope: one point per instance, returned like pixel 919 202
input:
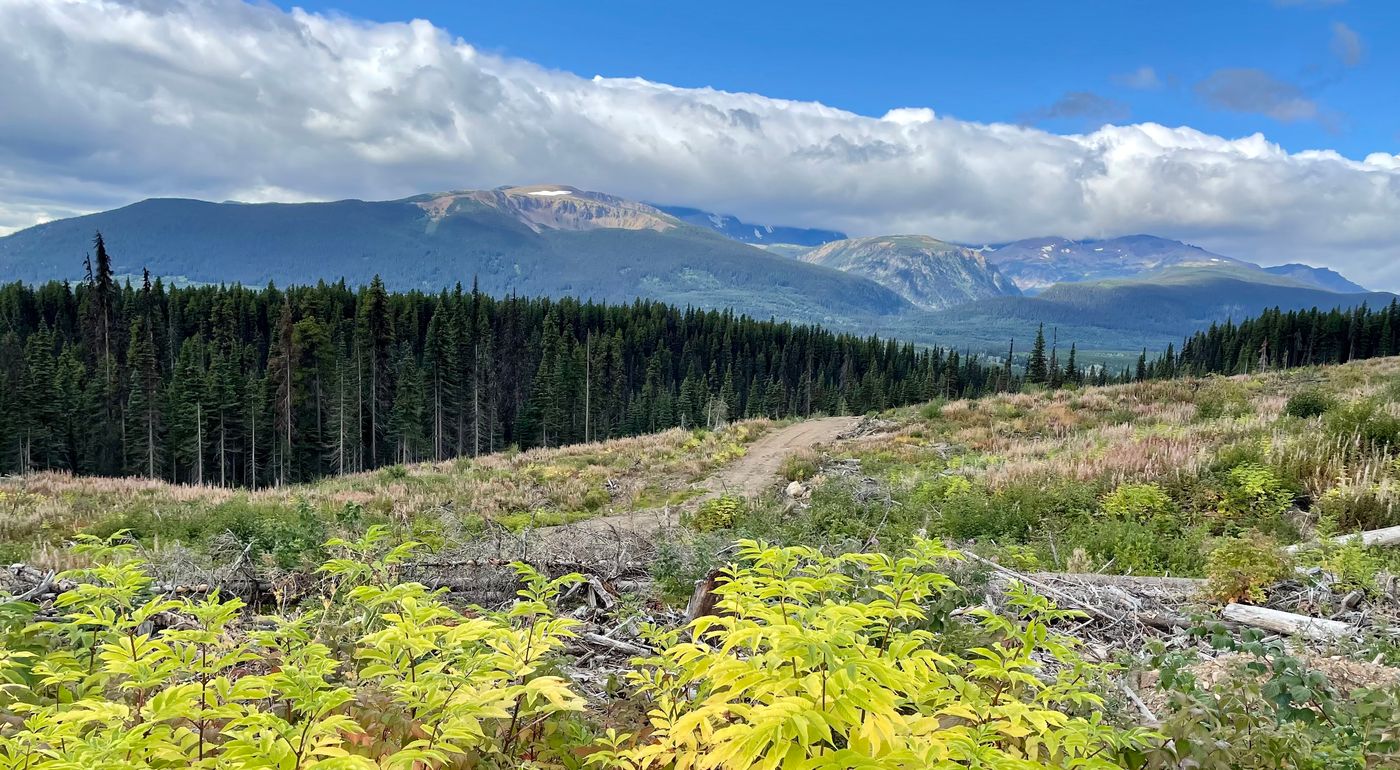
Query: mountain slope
pixel 733 228
pixel 548 240
pixel 1318 277
pixel 930 273
pixel 1036 263
pixel 1151 311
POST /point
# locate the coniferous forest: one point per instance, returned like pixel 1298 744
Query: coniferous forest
pixel 251 387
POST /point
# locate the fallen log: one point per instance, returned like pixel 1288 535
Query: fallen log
pixel 617 645
pixel 1045 589
pixel 1280 622
pixel 1372 537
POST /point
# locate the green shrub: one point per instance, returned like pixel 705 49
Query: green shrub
pixel 1368 421
pixel 717 513
pixel 1161 545
pixel 1137 501
pixel 932 410
pixel 801 465
pixel 594 499
pixel 1222 398
pixel 1352 509
pixel 1244 568
pixel 1308 403
pixel 1352 564
pixel 1253 491
pixel 1269 710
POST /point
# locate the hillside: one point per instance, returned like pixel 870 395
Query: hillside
pixel 1151 311
pixel 760 235
pixel 929 273
pixel 1035 264
pixel 543 240
pixel 1102 533
pixel 1319 277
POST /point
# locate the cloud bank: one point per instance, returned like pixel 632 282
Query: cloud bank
pixel 104 103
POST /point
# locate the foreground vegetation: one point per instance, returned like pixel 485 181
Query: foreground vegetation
pixel 815 662
pixel 1150 478
pixel 845 633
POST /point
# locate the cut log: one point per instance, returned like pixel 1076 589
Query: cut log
pixel 1372 537
pixel 1317 629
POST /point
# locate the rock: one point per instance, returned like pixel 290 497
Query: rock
pixel 798 491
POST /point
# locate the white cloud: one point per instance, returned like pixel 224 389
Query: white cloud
pixel 103 103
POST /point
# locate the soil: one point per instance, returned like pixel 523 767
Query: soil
pixel 749 476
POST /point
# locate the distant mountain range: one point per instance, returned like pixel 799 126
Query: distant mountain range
pixel 1035 264
pixel 1118 293
pixel 541 240
pixel 930 273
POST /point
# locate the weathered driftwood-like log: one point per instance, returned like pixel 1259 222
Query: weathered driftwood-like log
pixel 1129 582
pixel 1318 629
pixel 1372 537
pixel 617 645
pixel 1048 590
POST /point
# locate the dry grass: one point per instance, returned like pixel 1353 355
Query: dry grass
pixel 562 483
pixel 1150 430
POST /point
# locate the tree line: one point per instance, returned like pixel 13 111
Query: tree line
pixel 237 386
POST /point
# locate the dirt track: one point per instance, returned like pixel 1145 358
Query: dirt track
pixel 757 470
pixel 749 476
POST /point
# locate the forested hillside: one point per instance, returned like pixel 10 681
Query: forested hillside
pixel 239 386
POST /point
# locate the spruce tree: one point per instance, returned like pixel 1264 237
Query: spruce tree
pixel 143 406
pixel 1037 372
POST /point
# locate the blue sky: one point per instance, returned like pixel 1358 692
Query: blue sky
pixel 1066 67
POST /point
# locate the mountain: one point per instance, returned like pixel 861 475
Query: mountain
pixel 543 240
pixel 929 273
pixel 1150 311
pixel 1036 263
pixel 761 235
pixel 1318 277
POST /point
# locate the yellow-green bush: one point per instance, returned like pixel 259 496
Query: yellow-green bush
pixel 717 513
pixel 815 662
pixel 824 662
pixel 1137 501
pixel 1241 569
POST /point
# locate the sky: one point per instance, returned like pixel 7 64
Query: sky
pixel 1263 129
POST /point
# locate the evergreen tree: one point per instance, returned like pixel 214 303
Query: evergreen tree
pixel 1037 372
pixel 143 407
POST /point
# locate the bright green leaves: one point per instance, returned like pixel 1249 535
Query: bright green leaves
pixel 823 662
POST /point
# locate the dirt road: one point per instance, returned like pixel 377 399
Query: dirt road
pixel 749 476
pixel 757 470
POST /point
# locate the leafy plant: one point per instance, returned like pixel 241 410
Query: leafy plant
pixel 800 466
pixel 1271 710
pixel 717 513
pixel 1243 568
pixel 822 662
pixel 1137 501
pixel 1254 491
pixel 1307 403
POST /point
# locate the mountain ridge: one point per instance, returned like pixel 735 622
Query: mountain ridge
pixel 929 273
pixel 514 239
